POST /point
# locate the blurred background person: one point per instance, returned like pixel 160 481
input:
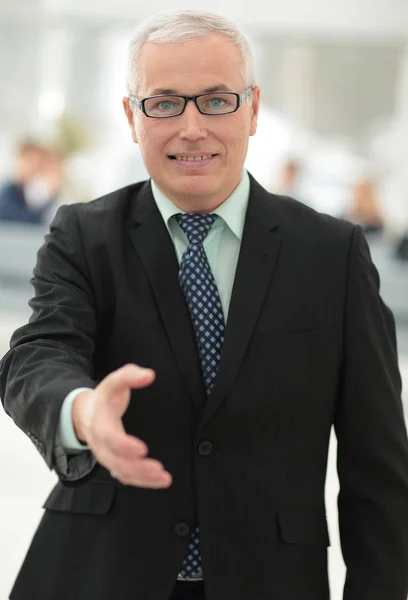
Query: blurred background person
pixel 290 174
pixel 401 248
pixel 364 208
pixel 33 191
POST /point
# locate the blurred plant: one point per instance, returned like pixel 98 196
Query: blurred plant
pixel 72 136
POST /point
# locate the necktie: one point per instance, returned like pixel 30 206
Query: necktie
pixel 204 304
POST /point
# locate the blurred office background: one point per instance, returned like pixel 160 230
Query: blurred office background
pixel 333 132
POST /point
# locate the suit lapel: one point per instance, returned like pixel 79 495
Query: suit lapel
pixel 258 255
pixel 153 245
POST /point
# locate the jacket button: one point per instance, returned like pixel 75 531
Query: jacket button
pixel 181 529
pixel 205 448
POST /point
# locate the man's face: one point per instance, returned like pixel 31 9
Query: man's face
pixel 192 68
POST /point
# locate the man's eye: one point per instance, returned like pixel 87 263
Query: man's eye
pixel 217 102
pixel 165 105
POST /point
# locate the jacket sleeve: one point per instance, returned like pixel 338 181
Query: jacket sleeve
pixel 53 353
pixel 372 456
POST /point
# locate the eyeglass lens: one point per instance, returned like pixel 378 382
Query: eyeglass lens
pixel 210 104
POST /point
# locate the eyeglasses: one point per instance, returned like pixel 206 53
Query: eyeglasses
pixel 172 105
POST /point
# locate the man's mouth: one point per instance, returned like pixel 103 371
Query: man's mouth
pixel 191 158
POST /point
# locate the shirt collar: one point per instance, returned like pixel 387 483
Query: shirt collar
pixel 232 211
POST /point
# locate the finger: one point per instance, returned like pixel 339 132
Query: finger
pixel 164 481
pixel 139 467
pixel 130 376
pixel 161 480
pixel 143 471
pixel 125 446
pixel 110 435
pixel 115 447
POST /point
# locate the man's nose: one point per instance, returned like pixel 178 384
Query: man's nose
pixel 192 123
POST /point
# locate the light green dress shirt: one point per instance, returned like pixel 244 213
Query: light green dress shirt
pixel 221 245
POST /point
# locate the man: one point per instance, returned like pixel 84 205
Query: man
pixel 200 336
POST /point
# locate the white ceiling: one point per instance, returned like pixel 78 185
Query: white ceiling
pixel 387 18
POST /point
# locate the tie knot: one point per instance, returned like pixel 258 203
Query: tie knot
pixel 195 225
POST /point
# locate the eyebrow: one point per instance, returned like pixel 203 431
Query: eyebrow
pixel 169 91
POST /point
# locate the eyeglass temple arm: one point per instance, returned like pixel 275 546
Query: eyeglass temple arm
pixel 135 101
pixel 246 94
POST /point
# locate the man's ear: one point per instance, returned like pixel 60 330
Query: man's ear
pixel 256 95
pixel 130 117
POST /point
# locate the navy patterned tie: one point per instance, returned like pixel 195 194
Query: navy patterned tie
pixel 203 301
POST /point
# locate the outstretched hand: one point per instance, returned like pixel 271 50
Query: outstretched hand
pixel 97 417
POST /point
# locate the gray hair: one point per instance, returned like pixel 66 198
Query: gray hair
pixel 182 26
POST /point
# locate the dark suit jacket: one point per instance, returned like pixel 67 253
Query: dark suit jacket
pixel 308 343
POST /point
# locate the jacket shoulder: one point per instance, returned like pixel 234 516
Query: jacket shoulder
pixel 114 202
pixel 307 222
pixel 298 219
pixel 99 217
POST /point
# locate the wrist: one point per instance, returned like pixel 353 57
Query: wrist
pixel 79 412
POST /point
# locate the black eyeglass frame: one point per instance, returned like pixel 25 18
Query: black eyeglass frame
pixel 240 99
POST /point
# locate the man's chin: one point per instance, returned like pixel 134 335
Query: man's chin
pixel 195 188
pixel 193 185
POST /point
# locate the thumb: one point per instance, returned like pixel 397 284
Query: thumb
pixel 129 377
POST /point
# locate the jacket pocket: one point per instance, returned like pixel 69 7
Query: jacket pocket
pixel 303 527
pixel 93 498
